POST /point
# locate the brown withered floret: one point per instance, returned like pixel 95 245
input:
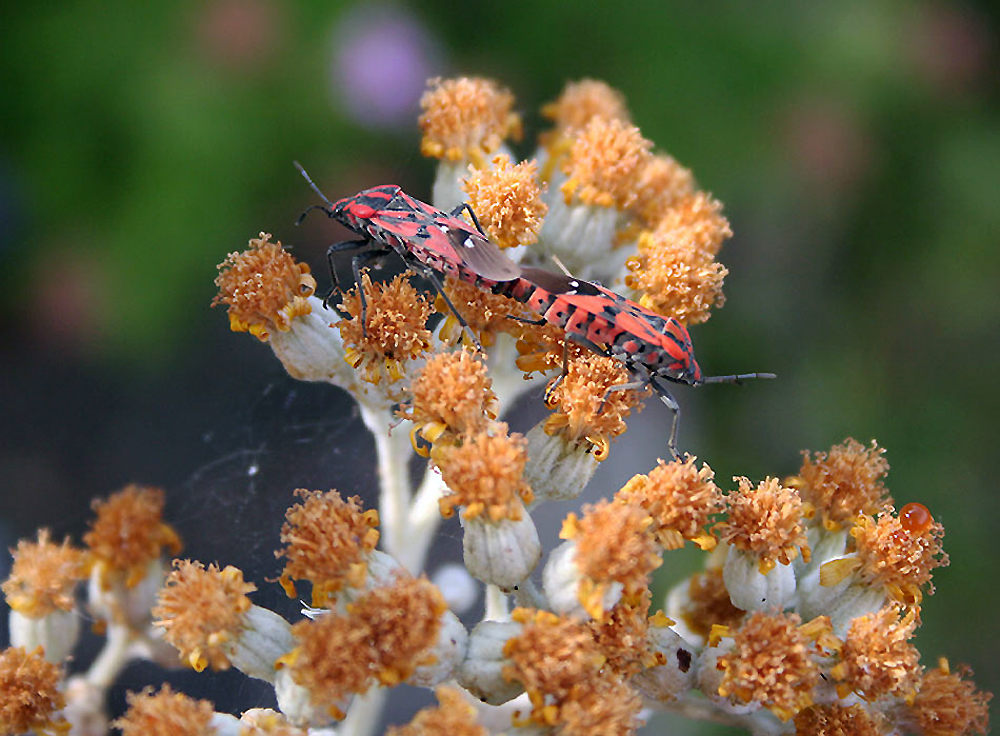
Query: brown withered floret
pixel 507 200
pixel 333 658
pixel 604 164
pixel 264 288
pixel 485 313
pixel 836 720
pixel 948 702
pixel 129 533
pixel 43 576
pixel 454 716
pixel 663 185
pixel 608 706
pixel 165 713
pixel 709 603
pixel 485 475
pixel 877 658
pixel 30 695
pixel 844 482
pixel 201 609
pixel 267 722
pixel 680 498
pixel 403 620
pixel 584 409
pixel 327 540
pixel 466 118
pixel 771 663
pixel 896 558
pixel 551 657
pixel 452 396
pixel 623 636
pixel 614 543
pixel 765 521
pixel 394 332
pixel 584 100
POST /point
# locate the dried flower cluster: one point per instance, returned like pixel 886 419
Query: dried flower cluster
pixel 801 620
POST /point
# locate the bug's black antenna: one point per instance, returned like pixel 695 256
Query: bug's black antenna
pixel 312 184
pixel 737 378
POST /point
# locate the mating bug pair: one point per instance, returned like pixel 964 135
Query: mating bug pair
pixel 430 242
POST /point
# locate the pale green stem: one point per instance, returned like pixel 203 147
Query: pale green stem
pixel 364 714
pixel 496 608
pixel 113 657
pixel 424 516
pixel 393 452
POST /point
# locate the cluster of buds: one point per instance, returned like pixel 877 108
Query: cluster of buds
pixel 801 620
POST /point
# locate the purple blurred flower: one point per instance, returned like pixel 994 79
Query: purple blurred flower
pixel 382 57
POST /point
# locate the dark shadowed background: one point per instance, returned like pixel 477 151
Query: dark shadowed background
pixel 856 146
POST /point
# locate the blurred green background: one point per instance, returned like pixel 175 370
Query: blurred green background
pixel 856 146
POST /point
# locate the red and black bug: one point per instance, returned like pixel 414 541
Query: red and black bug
pixel 651 346
pixel 429 241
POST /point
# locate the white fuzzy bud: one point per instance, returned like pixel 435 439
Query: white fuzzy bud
pixel 56 632
pixel 501 553
pixel 448 653
pixel 752 591
pixel 481 673
pixel 557 470
pixel 561 582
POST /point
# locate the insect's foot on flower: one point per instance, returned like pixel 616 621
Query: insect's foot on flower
pixel 393 334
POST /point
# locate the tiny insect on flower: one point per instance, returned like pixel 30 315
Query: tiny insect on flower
pixel 430 242
pixel 653 348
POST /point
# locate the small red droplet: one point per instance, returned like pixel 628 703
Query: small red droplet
pixel 915 518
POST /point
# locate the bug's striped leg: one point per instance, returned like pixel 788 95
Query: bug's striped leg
pixel 561 377
pixel 475 221
pixel 672 404
pixel 429 274
pixel 346 245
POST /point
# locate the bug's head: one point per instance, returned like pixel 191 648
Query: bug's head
pixel 679 363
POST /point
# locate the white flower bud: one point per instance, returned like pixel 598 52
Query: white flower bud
pixel 556 469
pixel 56 632
pixel 448 653
pixel 296 702
pixel 502 553
pixel 561 582
pixel 120 604
pixel 676 675
pixel 458 587
pixel 264 637
pixel 481 673
pixel 752 591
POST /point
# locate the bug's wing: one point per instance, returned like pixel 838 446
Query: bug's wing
pixel 557 283
pixel 482 255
